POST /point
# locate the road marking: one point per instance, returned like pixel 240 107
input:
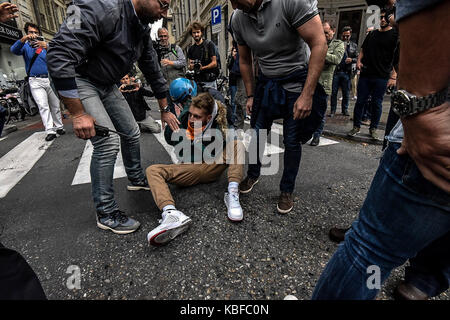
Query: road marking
pixel 168 147
pixel 1 139
pixel 17 162
pixel 324 142
pixel 83 174
pixel 278 128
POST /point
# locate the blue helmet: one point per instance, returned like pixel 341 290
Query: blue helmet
pixel 181 88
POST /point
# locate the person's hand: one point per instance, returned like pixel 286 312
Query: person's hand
pixel 170 119
pixel 348 60
pixel 27 37
pixel 359 65
pixel 392 83
pixel 83 126
pixel 427 142
pixel 8 11
pixel 41 44
pixel 249 105
pixel 302 107
pixel 166 62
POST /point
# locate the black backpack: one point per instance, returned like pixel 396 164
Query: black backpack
pixel 216 70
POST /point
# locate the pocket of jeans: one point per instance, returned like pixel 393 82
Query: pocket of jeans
pixel 414 181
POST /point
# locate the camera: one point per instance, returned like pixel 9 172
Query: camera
pixel 161 51
pixel 34 43
pixel 197 66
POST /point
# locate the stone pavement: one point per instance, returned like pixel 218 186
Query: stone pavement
pixel 339 125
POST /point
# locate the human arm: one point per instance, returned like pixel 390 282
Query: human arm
pixel 422 72
pixel 359 65
pixel 335 56
pixel 246 68
pixel 312 33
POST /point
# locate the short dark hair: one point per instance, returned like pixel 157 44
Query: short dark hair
pixel 204 101
pixel 196 25
pixel 347 28
pixel 332 26
pixel 33 25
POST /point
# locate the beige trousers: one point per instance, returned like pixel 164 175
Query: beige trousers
pixel 159 175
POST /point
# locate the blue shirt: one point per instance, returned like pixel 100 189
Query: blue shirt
pixel 25 50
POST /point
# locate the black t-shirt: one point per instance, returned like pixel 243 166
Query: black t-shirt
pixel 204 53
pixel 378 53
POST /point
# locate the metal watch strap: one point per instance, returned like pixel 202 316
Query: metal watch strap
pixel 165 109
pixel 420 104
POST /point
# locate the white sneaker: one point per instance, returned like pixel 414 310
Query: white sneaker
pixel 233 206
pixel 172 224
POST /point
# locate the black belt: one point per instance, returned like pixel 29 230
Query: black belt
pixel 40 76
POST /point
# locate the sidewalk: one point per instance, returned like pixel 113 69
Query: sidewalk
pixel 339 125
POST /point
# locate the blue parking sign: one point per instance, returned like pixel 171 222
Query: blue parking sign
pixel 216 15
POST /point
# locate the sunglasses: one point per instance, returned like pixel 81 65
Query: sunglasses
pixel 383 18
pixel 163 5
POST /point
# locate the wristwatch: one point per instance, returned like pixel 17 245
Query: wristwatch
pixel 406 104
pixel 165 109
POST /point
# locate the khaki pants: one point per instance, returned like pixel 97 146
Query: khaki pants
pixel 159 175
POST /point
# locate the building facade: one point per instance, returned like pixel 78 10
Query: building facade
pixel 48 14
pixel 346 13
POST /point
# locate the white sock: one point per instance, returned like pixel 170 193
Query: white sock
pixel 169 207
pixel 233 187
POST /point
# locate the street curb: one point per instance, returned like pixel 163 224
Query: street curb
pixel 355 138
pixel 8 129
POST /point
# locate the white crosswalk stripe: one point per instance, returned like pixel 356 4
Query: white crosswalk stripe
pixel 278 128
pixel 83 174
pixel 17 162
pixel 162 141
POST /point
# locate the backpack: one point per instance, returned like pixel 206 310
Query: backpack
pixel 216 70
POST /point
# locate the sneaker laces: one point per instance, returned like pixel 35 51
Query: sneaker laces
pixel 117 215
pixel 234 199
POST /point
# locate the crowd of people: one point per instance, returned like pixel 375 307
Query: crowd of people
pixel 406 211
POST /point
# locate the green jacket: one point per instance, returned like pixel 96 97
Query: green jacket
pixel 219 123
pixel 336 50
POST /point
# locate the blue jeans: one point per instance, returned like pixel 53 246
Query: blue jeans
pixel 367 110
pixel 2 119
pixel 110 109
pixel 403 214
pixel 321 99
pixel 340 80
pixel 233 90
pixel 295 132
pixel 375 88
pixel 429 271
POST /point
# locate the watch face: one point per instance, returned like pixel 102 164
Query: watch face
pixel 401 103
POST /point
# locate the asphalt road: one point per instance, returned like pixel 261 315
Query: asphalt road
pixel 267 256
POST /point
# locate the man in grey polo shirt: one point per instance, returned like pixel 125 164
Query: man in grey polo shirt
pixel 279 34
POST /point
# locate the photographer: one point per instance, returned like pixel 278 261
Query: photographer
pixel 202 57
pixel 33 48
pixel 170 57
pixel 134 93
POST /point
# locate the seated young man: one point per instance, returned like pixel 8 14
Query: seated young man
pixel 202 124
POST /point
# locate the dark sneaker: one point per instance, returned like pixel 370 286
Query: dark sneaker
pixel 136 186
pixel 117 222
pixel 337 234
pixel 61 132
pixel 285 203
pixel 315 141
pixel 331 115
pixel 353 132
pixel 50 137
pixel 373 134
pixel 247 185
